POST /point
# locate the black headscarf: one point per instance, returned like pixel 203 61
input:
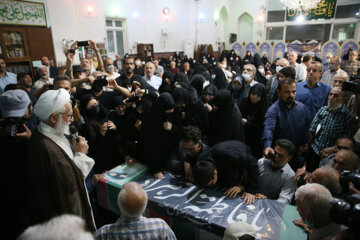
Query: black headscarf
pixel 248 58
pixel 226 122
pixel 166 87
pixel 210 90
pixel 156 144
pixel 197 82
pixel 220 79
pixel 257 111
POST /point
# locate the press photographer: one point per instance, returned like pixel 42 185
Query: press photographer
pixel 16 109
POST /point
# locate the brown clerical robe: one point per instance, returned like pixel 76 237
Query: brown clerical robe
pixel 56 185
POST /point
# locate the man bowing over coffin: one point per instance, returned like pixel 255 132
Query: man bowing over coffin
pixel 57 169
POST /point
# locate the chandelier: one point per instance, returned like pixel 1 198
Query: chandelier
pixel 300 5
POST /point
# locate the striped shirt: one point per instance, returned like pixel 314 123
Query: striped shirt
pixel 328 76
pixel 142 228
pixel 328 127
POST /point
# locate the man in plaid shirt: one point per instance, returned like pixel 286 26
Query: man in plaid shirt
pixel 132 201
pixel 330 123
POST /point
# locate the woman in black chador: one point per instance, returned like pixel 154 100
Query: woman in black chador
pixel 253 110
pixel 225 119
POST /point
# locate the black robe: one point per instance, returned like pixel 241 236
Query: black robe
pixel 235 165
pixel 226 123
pixel 220 79
pixel 255 115
pixel 195 112
pixel 156 144
pixel 56 185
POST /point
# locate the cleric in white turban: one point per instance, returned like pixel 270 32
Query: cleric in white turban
pixel 57 168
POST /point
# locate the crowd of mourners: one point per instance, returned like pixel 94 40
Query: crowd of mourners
pixel 285 130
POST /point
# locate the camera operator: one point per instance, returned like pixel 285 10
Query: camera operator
pixel 16 109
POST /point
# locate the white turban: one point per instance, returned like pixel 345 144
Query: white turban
pixel 51 102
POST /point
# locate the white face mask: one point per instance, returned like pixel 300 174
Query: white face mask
pixel 205 84
pixel 327 60
pixel 268 77
pixel 261 70
pixel 130 88
pixel 246 76
pixel 278 68
pixel 137 62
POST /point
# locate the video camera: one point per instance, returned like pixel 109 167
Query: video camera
pixel 352 86
pixel 346 177
pixel 347 212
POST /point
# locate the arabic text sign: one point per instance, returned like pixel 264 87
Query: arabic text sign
pixel 324 10
pixel 22 13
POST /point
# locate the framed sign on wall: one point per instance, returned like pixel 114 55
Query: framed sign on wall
pixel 22 13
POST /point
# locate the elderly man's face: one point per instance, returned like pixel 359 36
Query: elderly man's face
pixel 292 57
pixel 353 55
pixel 335 98
pixel 64 120
pixel 338 81
pixel 149 69
pixel 341 162
pixel 85 64
pixel 43 72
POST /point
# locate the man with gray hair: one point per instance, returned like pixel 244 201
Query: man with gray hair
pixel 43 83
pixel 300 69
pixel 328 177
pixel 248 74
pixel 352 65
pixel 150 78
pixel 66 226
pixel 313 202
pixel 58 168
pixel 334 68
pixel 132 201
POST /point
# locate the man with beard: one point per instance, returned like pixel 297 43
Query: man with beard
pixel 329 124
pixel 58 168
pixel 24 79
pixel 287 119
pixel 129 77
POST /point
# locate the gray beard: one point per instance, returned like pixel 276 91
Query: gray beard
pixel 62 127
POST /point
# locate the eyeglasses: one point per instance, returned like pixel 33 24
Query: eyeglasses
pixel 69 115
pixel 314 70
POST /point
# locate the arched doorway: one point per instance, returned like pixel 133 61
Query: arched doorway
pixel 245 28
pixel 223 26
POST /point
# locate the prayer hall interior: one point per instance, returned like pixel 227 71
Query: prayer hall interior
pixel 180 119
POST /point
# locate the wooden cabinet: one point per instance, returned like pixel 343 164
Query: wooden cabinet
pixel 21 45
pixel 145 51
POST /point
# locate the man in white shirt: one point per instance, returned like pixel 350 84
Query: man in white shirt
pixel 300 70
pixel 150 78
pixel 276 178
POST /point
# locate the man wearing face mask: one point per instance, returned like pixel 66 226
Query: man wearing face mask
pixel 334 68
pixel 327 61
pixel 329 124
pixel 248 75
pixel 351 66
pixel 109 69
